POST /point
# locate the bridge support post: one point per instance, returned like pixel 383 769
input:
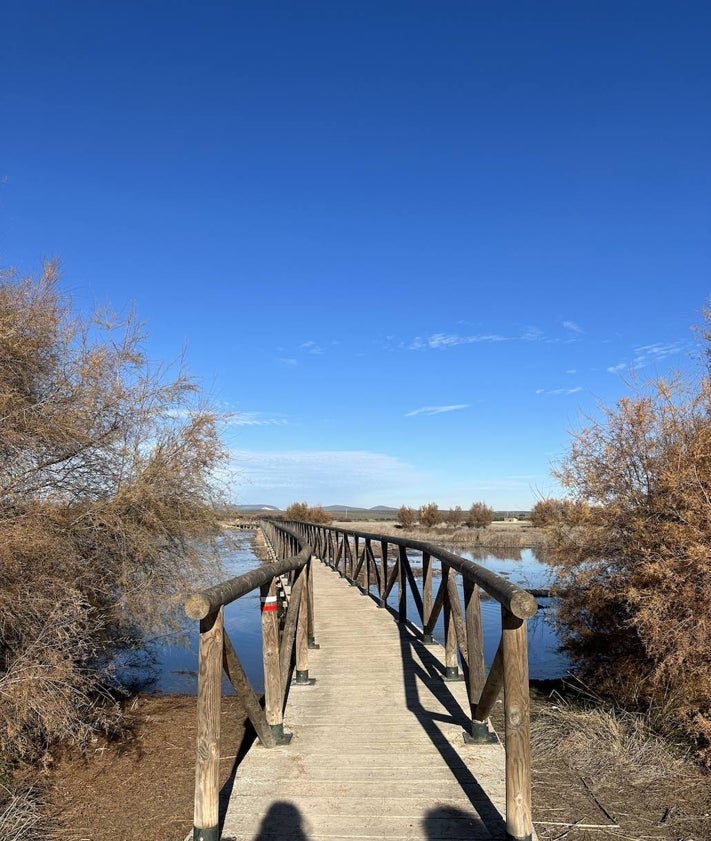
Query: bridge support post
pixel 301 677
pixel 384 581
pixel 514 644
pixel 273 689
pixel 313 645
pixel 451 665
pixel 401 586
pixel 427 639
pixel 207 766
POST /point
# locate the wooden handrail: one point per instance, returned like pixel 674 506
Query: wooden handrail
pixel 463 637
pixel 516 600
pixel 280 641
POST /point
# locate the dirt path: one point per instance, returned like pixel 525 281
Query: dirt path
pixel 144 788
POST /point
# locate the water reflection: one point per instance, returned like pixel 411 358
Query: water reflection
pixel 525 569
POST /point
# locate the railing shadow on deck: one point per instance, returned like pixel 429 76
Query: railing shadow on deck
pixel 432 681
pixel 288 633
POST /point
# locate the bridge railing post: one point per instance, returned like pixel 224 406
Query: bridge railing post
pixel 273 690
pixel 207 765
pixel 451 663
pixel 368 555
pixel 401 584
pixel 302 631
pixel 428 639
pixel 354 562
pixel 476 672
pixel 310 606
pixel 514 645
pixel 384 579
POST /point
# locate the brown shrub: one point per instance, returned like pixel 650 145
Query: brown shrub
pixel 105 490
pixel 430 515
pixel 635 566
pixel 554 512
pixel 407 517
pixel 455 516
pixel 304 513
pixel 480 515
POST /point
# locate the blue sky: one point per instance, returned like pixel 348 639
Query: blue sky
pixel 409 245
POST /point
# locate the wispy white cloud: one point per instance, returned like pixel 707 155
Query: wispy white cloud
pixel 532 334
pixel 553 392
pixel 572 327
pixel 252 419
pixel 310 347
pixel 290 363
pixel 436 410
pixel 444 340
pixel 647 355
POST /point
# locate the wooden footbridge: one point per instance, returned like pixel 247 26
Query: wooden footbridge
pixel 375 731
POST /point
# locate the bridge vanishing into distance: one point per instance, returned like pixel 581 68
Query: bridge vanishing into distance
pixel 368 728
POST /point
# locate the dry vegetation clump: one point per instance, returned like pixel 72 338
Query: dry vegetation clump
pixel 635 567
pixel 304 513
pixel 406 517
pixel 480 515
pixel 555 512
pixel 597 741
pixel 21 816
pixel 106 487
pixel 430 515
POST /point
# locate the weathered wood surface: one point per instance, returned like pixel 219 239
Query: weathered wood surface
pixel 207 765
pixel 377 749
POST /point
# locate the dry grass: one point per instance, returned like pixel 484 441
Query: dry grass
pixel 597 742
pixel 21 817
pixel 498 535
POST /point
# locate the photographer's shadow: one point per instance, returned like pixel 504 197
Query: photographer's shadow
pixel 282 821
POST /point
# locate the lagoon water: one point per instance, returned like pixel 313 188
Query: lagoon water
pixel 176 664
pixel 527 571
pixel 175 667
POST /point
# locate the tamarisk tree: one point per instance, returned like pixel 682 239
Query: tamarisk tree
pixel 634 561
pixel 106 499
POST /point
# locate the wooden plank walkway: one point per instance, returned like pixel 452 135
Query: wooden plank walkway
pixel 377 748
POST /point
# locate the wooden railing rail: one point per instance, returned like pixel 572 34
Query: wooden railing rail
pixel 380 561
pixel 286 638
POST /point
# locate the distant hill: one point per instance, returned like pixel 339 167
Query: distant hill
pixel 354 509
pixel 249 508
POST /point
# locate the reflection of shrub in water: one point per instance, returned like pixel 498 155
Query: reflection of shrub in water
pixel 502 553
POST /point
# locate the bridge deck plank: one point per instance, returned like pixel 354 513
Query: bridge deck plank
pixel 377 749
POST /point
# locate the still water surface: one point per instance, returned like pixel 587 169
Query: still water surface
pixel 176 663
